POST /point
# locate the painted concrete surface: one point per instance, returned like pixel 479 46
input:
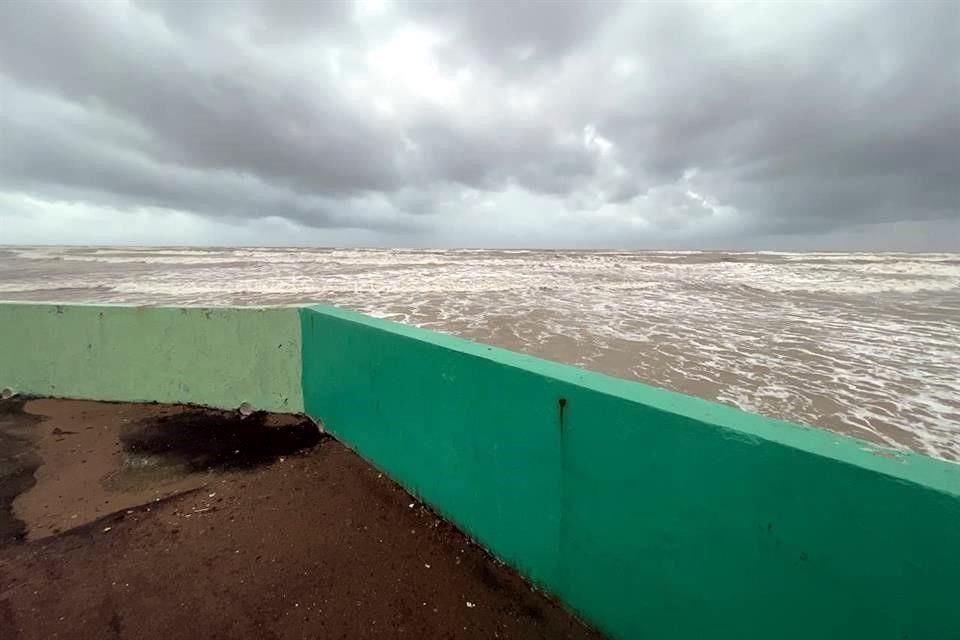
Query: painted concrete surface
pixel 650 513
pixel 215 357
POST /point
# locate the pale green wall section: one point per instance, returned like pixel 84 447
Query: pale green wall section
pixel 650 513
pixel 217 357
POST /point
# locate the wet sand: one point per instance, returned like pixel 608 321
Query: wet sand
pixel 150 521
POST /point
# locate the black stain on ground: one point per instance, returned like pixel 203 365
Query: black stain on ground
pixel 202 440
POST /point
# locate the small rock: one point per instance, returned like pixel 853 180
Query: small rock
pixel 105 529
pixel 470 605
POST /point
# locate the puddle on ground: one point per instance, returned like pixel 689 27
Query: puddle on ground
pixel 64 463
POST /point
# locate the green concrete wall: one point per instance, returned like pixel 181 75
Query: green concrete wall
pixel 650 513
pixel 214 357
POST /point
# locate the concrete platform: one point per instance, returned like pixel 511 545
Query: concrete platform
pixel 160 521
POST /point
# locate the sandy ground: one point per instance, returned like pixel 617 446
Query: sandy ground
pixel 151 521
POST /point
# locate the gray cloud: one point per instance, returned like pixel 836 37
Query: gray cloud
pixel 680 124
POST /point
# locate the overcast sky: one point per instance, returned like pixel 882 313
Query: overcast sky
pixel 822 125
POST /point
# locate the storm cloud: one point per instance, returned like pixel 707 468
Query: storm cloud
pixel 626 124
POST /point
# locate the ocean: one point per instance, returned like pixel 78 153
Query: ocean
pixel 866 344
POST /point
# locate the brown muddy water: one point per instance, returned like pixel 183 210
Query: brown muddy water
pixel 866 344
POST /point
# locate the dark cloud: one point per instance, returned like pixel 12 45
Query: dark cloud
pixel 648 123
pixel 518 36
pixel 215 105
pixel 267 20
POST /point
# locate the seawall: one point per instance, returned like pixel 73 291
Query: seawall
pixel 216 357
pixel 649 513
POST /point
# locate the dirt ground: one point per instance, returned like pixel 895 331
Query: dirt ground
pixel 153 521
